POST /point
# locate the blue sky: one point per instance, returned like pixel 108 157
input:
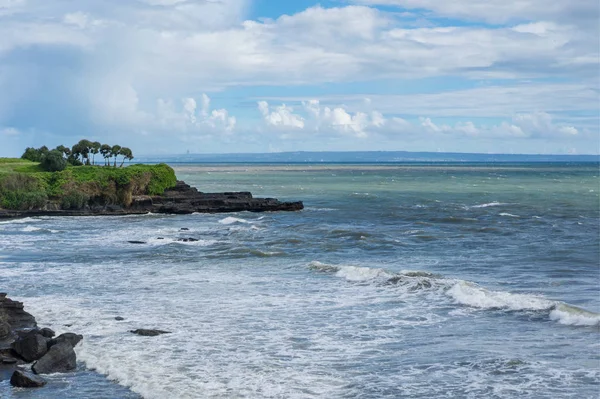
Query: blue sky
pixel 220 76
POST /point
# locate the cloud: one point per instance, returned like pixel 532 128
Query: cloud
pixel 281 116
pixel 140 66
pixel 499 11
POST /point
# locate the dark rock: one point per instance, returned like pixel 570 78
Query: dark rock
pixel 68 325
pixel 160 238
pixel 8 360
pixel 181 199
pixel 119 318
pixel 149 333
pixel 12 312
pixel 5 329
pixel 59 359
pixel 184 229
pixel 136 242
pixel 47 332
pixel 187 239
pixel 31 347
pixel 71 338
pixel 24 379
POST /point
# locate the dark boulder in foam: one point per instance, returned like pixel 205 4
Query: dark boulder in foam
pixel 25 379
pixel 60 358
pixel 71 338
pixel 31 346
pixel 149 332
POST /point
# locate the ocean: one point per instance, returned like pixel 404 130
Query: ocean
pixel 457 280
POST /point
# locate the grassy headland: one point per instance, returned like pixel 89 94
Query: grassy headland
pixel 26 185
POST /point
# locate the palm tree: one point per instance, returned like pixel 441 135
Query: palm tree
pixel 127 154
pixel 94 149
pixel 84 147
pixel 105 150
pixel 114 151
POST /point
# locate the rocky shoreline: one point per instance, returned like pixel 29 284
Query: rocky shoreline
pixel 27 352
pixel 181 199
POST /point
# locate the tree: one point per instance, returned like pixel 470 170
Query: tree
pixel 84 147
pixel 53 161
pixel 105 150
pixel 64 150
pixel 127 154
pixel 35 154
pixel 94 149
pixel 114 151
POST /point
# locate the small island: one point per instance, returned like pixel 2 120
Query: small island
pixel 69 182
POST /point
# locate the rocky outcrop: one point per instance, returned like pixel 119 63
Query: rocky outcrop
pixel 25 379
pixel 22 342
pixel 149 333
pixel 71 338
pixel 12 313
pixel 184 199
pixel 181 199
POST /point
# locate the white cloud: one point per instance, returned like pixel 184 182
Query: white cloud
pixel 281 116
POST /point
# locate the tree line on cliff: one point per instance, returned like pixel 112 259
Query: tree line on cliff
pixel 82 153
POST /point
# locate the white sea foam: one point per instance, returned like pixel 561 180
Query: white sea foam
pixel 21 221
pixel 574 316
pixel 356 273
pixel 487 205
pixel 470 294
pixel 509 215
pixel 231 220
pixel 28 229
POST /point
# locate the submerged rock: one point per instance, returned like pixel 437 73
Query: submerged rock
pixel 187 239
pixel 136 242
pixel 59 359
pixel 119 318
pixel 25 379
pixel 31 347
pixel 149 332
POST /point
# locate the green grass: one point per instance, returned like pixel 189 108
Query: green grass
pixel 24 185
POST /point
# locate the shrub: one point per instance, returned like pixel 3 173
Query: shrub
pixel 74 199
pixel 23 200
pixel 54 161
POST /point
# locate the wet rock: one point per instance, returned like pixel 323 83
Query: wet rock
pixel 8 360
pixel 136 242
pixel 5 329
pixel 71 338
pixel 25 379
pixel 12 312
pixel 149 332
pixel 187 239
pixel 60 358
pixel 184 229
pixel 47 332
pixel 160 238
pixel 30 347
pixel 119 318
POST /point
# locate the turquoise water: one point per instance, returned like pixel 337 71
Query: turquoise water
pixel 395 281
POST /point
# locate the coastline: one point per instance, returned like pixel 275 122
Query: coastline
pixel 181 200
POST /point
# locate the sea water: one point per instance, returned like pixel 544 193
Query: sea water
pixel 418 281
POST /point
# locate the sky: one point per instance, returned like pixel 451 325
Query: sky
pixel 230 76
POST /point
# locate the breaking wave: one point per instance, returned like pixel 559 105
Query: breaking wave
pixel 464 293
